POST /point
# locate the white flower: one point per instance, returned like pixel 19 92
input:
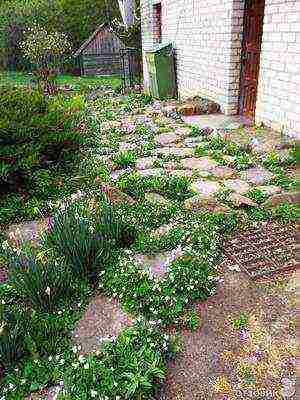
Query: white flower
pixel 48 290
pixel 86 366
pixel 94 393
pixel 81 358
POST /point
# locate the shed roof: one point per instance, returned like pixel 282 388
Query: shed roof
pixel 92 37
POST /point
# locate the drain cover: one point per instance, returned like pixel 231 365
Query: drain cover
pixel 268 249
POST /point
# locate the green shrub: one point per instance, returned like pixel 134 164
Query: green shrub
pixel 192 320
pixel 14 327
pixel 241 322
pixel 177 187
pixel 131 183
pixel 256 195
pixel 40 280
pixel 125 159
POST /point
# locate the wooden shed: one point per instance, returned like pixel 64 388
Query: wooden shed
pixel 100 54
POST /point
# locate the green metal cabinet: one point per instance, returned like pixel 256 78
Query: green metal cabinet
pixel 161 68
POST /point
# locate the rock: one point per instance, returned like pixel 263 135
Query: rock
pixel 115 195
pixel 257 176
pixel 123 146
pixel 174 151
pixel 184 132
pixel 206 189
pixel 238 200
pixel 270 190
pixel 198 106
pixel 192 141
pixel 102 321
pixel 158 264
pixel 156 198
pixel 145 162
pixel 202 163
pixel 286 197
pixel 182 172
pixel 167 138
pixel 152 172
pixel 222 172
pixel 237 185
pixel 28 231
pixel 200 203
pixel 115 174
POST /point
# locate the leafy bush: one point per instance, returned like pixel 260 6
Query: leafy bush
pixel 14 327
pixel 125 159
pixel 192 320
pixel 177 187
pixel 131 183
pixel 39 279
pixel 85 233
pixel 256 195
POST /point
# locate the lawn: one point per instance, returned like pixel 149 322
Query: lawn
pixel 19 78
pixel 115 280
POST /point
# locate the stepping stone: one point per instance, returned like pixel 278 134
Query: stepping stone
pixel 115 174
pixel 158 263
pixel 257 175
pixel 223 172
pixel 102 320
pixel 115 195
pixel 182 172
pixel 28 231
pixel 237 185
pixel 238 200
pixel 286 197
pixel 206 189
pixel 185 132
pixel 270 190
pixel 167 138
pixel 202 163
pixel 152 172
pixel 174 151
pixel 123 146
pixel 145 162
pixel 156 198
pixel 192 141
pixel 198 203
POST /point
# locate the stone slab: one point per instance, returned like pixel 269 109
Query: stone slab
pixel 206 189
pixel 237 185
pixel 174 151
pixel 257 175
pixel 202 163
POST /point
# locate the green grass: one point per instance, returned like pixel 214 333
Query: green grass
pixel 19 78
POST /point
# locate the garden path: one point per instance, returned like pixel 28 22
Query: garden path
pixel 218 362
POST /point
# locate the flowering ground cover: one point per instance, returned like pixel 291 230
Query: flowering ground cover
pixel 120 290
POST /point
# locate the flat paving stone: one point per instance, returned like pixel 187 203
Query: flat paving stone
pixel 28 231
pixel 182 172
pixel 158 263
pixel 102 320
pixel 192 141
pixel 222 172
pixel 237 185
pixel 145 162
pixel 151 172
pixel 285 197
pixel 257 175
pixel 216 121
pixel 198 203
pixel 174 151
pixel 270 190
pixel 205 188
pixel 237 200
pixel 167 138
pixel 202 163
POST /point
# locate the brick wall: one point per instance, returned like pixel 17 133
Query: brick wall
pixel 207 38
pixel 278 100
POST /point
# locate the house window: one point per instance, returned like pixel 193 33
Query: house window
pixel 157 31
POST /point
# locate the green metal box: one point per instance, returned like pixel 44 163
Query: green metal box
pixel 161 68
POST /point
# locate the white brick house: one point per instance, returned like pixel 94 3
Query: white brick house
pixel 244 54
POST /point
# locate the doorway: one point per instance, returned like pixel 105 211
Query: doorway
pixel 250 61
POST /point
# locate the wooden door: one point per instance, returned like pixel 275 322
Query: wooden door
pixel 253 28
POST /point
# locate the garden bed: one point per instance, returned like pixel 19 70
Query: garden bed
pixel 133 257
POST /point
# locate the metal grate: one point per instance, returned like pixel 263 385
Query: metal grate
pixel 267 250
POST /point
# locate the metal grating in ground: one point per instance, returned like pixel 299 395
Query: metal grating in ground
pixel 264 251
